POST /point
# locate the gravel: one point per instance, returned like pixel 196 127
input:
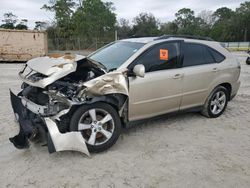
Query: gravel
pixel 185 150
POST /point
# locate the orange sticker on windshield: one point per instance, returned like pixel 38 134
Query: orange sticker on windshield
pixel 163 54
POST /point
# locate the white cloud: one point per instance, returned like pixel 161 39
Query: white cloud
pixel 165 9
pixel 162 9
pixel 26 9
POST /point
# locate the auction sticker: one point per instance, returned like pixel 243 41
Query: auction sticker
pixel 163 54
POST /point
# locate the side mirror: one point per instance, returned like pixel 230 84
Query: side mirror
pixel 139 70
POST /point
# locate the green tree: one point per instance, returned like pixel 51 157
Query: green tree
pixel 40 25
pixel 188 24
pixel 170 28
pixel 94 19
pixel 223 28
pixel 91 20
pixel 145 24
pixel 9 21
pixel 223 13
pixel 63 10
pixel 243 20
pixel 124 29
pixel 22 25
pixel 184 18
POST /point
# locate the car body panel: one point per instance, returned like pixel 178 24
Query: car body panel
pixel 70 141
pixel 206 78
pixel 53 67
pixel 196 84
pixel 51 64
pixel 157 93
pixel 110 83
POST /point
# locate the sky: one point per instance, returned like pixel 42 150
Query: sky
pixel 164 10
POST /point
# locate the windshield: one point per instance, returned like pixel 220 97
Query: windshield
pixel 115 54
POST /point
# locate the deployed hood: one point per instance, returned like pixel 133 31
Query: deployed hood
pixel 55 63
pixel 56 67
pixel 53 68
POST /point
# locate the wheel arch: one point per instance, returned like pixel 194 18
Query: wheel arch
pixel 115 100
pixel 228 86
pixel 118 101
pixel 206 107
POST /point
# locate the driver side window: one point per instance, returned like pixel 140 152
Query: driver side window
pixel 160 57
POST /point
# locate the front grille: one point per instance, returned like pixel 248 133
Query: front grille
pixel 32 75
pixel 36 77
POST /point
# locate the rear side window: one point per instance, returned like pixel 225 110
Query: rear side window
pixel 160 57
pixel 196 54
pixel 217 56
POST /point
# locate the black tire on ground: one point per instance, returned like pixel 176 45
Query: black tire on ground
pixel 116 119
pixel 207 111
pixel 248 61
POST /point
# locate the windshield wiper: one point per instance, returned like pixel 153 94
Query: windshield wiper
pixel 112 69
pixel 97 62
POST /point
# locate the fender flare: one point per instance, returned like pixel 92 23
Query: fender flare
pixel 116 100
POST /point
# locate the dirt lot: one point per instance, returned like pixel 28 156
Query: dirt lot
pixel 187 150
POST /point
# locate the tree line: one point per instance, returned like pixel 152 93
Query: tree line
pixel 224 24
pixel 11 21
pixel 94 19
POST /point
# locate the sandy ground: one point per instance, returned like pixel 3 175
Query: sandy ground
pixel 187 150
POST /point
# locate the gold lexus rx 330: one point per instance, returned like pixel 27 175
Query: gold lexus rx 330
pixel 73 102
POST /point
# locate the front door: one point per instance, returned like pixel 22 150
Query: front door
pixel 159 92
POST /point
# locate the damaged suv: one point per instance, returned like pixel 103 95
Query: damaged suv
pixel 72 102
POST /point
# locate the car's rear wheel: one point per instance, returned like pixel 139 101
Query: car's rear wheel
pixel 99 124
pixel 216 102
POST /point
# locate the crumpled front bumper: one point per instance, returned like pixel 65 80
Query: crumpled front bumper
pixel 20 141
pixel 56 140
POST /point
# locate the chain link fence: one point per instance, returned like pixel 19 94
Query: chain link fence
pixel 76 44
pixel 92 44
pixel 237 46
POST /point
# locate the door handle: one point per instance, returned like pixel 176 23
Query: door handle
pixel 215 69
pixel 177 76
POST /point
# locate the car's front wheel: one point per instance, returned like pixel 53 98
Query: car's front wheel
pixel 216 102
pixel 99 124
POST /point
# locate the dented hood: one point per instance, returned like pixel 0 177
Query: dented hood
pixel 49 65
pixel 57 67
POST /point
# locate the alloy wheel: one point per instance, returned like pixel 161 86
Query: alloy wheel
pixel 97 126
pixel 218 102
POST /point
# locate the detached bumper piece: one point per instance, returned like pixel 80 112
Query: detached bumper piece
pixel 20 141
pixel 71 141
pixel 56 140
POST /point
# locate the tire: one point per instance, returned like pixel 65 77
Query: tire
pixel 248 61
pixel 101 130
pixel 209 109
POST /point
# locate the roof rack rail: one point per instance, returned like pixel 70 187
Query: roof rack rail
pixel 140 36
pixel 184 36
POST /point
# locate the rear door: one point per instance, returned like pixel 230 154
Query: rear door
pixel 200 70
pixel 159 91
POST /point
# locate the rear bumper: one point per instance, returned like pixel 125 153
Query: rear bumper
pixel 235 89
